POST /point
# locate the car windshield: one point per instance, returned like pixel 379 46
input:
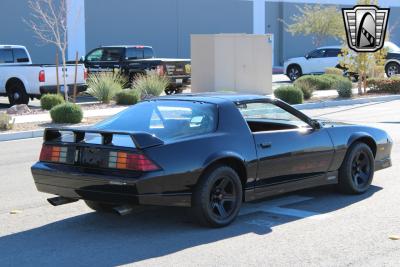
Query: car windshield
pixel 166 119
pixel 391 47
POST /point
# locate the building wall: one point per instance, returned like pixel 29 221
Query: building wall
pixel 164 24
pixel 14 31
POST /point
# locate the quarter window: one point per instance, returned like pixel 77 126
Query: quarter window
pixel 20 55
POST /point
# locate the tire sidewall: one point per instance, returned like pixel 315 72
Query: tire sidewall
pixel 23 97
pixel 296 67
pixel 346 169
pixel 392 64
pixel 201 198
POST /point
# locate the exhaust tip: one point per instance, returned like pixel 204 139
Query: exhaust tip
pixel 57 201
pixel 123 210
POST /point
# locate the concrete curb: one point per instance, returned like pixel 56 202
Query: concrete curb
pixel 349 102
pixel 21 135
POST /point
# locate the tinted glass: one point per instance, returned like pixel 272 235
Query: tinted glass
pixel 134 53
pixel 165 119
pixel 20 55
pixel 332 52
pixel 148 52
pixel 6 56
pixel 96 55
pixel 268 111
pixel 111 54
pixel 317 53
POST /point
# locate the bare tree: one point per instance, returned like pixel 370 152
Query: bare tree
pixel 49 23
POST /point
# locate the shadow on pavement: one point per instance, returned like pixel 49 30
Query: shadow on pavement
pixel 107 239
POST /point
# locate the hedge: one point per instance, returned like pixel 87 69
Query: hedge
pixel 127 97
pixel 49 101
pixel 66 113
pixel 289 94
pixel 384 85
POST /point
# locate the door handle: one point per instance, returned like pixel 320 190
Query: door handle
pixel 265 145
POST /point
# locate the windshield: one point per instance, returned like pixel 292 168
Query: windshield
pixel 392 47
pixel 166 119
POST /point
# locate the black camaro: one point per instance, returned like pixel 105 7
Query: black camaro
pixel 209 152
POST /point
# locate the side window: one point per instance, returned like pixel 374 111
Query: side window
pixel 20 55
pixel 111 54
pixel 132 53
pixel 332 52
pixel 148 52
pixel 6 56
pixel 317 53
pixel 96 55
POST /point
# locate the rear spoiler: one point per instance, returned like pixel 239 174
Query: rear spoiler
pixel 140 139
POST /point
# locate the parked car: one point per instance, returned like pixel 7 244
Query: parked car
pixel 209 152
pixel 314 62
pixel 21 80
pixel 321 58
pixel 134 60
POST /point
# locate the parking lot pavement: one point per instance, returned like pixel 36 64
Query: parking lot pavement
pixel 316 227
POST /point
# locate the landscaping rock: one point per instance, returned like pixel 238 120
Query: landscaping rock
pixel 18 109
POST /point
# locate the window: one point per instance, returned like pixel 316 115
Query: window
pixel 268 112
pixel 148 52
pixel 134 53
pixel 20 55
pixel 332 52
pixel 111 54
pixel 317 53
pixel 165 119
pixel 6 56
pixel 96 55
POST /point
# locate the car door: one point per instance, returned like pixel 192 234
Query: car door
pixel 288 148
pixel 332 59
pixel 93 60
pixel 316 61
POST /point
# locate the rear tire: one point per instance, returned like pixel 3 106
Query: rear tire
pixel 99 207
pixel 17 94
pixel 294 72
pixel 217 197
pixel 392 68
pixel 357 170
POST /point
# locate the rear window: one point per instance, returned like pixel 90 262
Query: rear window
pixel 6 56
pixel 166 119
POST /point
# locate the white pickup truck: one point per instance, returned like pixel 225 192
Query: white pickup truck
pixel 21 80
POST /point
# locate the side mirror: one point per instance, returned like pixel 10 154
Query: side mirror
pixel 316 125
pixel 307 56
pixel 82 59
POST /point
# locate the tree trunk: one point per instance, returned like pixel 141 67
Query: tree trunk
pixel 64 75
pixel 360 85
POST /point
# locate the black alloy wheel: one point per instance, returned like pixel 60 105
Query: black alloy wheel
pixel 217 198
pixel 357 170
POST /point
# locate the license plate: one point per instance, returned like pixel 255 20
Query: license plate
pixel 91 157
pixel 179 81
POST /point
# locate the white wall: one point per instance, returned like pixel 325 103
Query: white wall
pixel 76 28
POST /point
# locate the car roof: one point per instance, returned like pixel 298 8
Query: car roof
pixel 215 97
pixel 126 46
pixel 11 46
pixel 330 47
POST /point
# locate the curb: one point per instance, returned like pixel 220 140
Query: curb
pixel 349 102
pixel 21 135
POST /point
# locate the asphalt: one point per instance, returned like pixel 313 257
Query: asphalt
pixel 317 227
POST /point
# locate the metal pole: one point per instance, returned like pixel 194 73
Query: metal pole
pixel 58 80
pixel 76 73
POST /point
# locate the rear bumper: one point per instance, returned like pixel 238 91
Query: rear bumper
pixel 70 183
pixel 383 164
pixel 52 89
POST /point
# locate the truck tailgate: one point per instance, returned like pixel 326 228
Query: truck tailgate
pixel 177 67
pixel 51 78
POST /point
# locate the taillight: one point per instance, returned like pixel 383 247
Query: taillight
pixel 85 74
pixel 160 70
pixel 53 154
pixel 42 76
pixel 131 161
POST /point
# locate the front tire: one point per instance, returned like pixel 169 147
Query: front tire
pixel 294 72
pixel 217 198
pixel 357 170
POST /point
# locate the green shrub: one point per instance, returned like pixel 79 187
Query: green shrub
pixel 49 101
pixel 334 71
pixel 306 86
pixel 384 85
pixel 105 85
pixel 318 82
pixel 6 122
pixel 66 113
pixel 343 87
pixel 289 94
pixel 151 84
pixel 127 97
